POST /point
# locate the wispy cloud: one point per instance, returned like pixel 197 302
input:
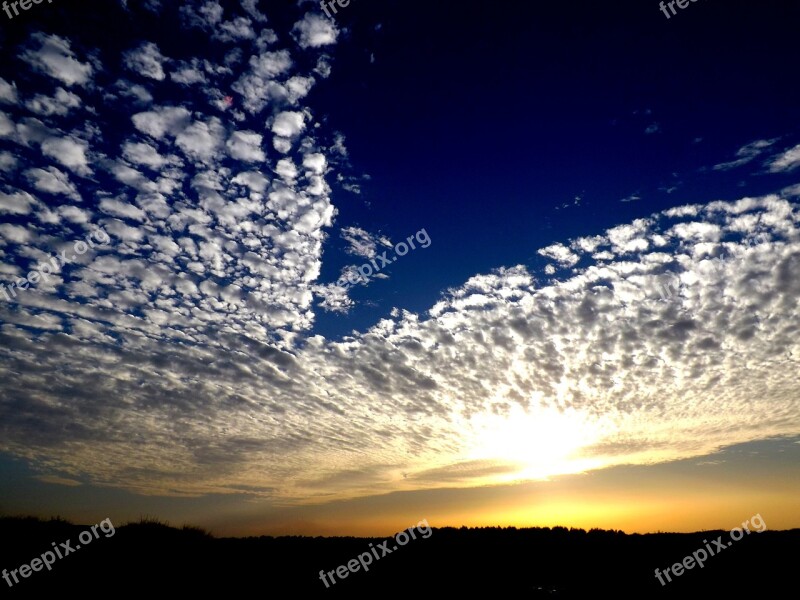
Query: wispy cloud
pixel 746 154
pixel 787 161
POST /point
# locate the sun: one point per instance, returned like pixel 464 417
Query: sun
pixel 541 442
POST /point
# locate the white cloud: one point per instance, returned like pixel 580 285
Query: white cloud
pixel 254 180
pixel 18 203
pixel 147 61
pixel 8 162
pixel 561 254
pixel 314 31
pixel 70 152
pixel 246 146
pixel 201 140
pixel 286 169
pixel 60 104
pixel 362 243
pixel 282 145
pixel 298 87
pixel 315 162
pixel 166 119
pixel 251 8
pixel 143 154
pixel 135 91
pixel 73 214
pixel 15 234
pixel 189 74
pixel 258 87
pixel 205 16
pixel 118 208
pixel 788 161
pixel 288 124
pixel 55 58
pixel 239 28
pixel 746 154
pixel 7 126
pixel 8 92
pixel 53 181
pixel 271 64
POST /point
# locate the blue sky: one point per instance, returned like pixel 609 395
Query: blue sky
pixel 557 168
pixel 490 116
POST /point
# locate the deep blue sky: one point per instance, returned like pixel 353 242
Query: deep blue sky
pixel 472 113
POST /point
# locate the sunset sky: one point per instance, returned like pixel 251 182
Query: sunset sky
pixel 476 263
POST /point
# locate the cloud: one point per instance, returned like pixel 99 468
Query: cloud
pixel 137 92
pixel 55 58
pixel 205 16
pixel 147 61
pixel 314 31
pixel 362 243
pixel 55 480
pixel 8 92
pixel 239 28
pixel 166 119
pixel 652 128
pixel 202 139
pixel 17 203
pixel 251 8
pixel 500 380
pixel 246 146
pixel 560 253
pixel 121 209
pixel 8 162
pixel 189 74
pixel 60 104
pixel 14 234
pixel 788 161
pixel 52 181
pixel 792 191
pixel 288 124
pixel 746 154
pixel 258 86
pixel 70 152
pixel 143 154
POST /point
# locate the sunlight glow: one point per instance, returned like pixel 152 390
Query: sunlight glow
pixel 543 442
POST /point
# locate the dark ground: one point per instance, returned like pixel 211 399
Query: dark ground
pixel 150 558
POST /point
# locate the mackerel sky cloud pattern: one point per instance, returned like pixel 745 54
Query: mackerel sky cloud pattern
pixel 181 358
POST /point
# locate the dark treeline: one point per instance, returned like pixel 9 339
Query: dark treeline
pixel 151 557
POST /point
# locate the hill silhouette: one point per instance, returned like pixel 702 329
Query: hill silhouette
pixel 149 557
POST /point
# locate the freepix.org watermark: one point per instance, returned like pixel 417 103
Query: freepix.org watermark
pixel 364 559
pixel 699 557
pixel 43 271
pixel 361 274
pixel 23 4
pixel 62 550
pixel 681 4
pixel 328 5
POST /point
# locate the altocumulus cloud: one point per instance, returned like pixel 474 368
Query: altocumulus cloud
pixel 180 357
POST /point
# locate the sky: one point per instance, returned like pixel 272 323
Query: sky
pixel 271 268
